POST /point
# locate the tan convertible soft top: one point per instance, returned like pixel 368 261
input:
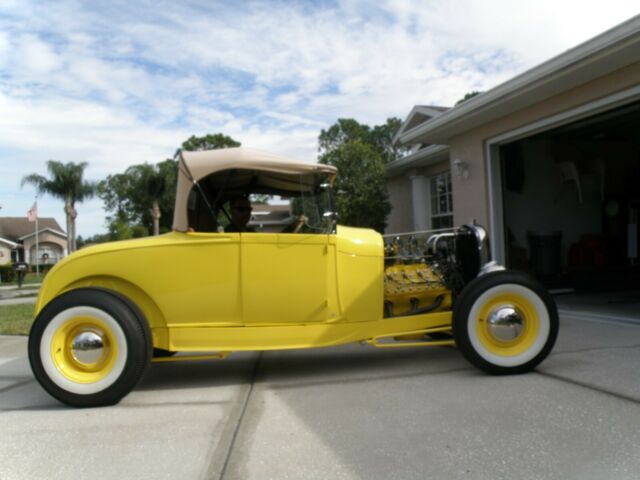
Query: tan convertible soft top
pixel 193 166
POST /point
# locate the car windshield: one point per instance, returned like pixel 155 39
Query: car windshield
pixel 285 203
pixel 315 209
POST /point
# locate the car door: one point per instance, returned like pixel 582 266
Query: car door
pixel 197 283
pixel 286 278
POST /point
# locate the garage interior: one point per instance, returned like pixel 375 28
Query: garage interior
pixel 571 199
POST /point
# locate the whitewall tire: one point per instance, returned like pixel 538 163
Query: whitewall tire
pixel 505 322
pixel 89 347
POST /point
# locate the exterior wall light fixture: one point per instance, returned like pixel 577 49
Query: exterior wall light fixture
pixel 460 169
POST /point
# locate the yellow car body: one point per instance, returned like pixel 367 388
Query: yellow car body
pixel 245 291
pixel 105 312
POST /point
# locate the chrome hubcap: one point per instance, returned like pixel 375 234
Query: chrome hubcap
pixel 505 323
pixel 87 347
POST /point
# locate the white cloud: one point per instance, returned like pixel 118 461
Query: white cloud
pixel 37 57
pixel 4 44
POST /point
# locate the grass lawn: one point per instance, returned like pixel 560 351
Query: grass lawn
pixel 32 278
pixel 16 319
pixel 29 279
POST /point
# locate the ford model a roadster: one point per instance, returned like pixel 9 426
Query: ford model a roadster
pixel 105 312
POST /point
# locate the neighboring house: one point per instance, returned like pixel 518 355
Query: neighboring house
pixel 548 161
pixel 18 240
pixel 6 249
pixel 270 218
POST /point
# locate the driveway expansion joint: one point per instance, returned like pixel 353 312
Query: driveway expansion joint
pixel 596 349
pixel 589 386
pixel 222 453
pixel 16 385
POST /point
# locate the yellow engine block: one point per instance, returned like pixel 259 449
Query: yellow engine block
pixel 410 288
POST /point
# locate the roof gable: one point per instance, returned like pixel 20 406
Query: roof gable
pixel 42 230
pixel 14 228
pixel 8 242
pixel 419 114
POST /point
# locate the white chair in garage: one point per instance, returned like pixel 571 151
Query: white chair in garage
pixel 570 176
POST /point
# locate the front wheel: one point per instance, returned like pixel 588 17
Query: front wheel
pixel 89 347
pixel 505 322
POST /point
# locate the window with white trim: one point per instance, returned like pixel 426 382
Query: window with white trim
pixel 441 201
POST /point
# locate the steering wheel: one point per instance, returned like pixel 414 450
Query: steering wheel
pixel 300 221
pixel 296 225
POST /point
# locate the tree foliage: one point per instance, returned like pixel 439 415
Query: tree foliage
pixel 118 230
pixel 380 137
pixel 209 142
pixel 129 198
pixel 467 96
pixel 343 131
pixel 141 200
pixel 360 153
pixel 66 182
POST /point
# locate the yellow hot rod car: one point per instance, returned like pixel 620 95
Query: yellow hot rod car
pixel 105 312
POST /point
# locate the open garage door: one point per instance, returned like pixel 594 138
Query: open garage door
pixel 571 202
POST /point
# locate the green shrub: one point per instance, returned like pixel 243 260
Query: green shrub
pixel 44 268
pixel 7 274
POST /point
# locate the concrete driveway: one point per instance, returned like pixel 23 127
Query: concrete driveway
pixel 12 295
pixel 351 412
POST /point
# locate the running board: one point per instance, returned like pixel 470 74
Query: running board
pixel 375 341
pixel 187 358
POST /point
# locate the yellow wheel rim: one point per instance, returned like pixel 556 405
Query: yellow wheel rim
pixel 84 349
pixel 527 332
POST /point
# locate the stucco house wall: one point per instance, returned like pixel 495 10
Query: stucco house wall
pixel 5 254
pixel 400 189
pixel 401 217
pixel 48 241
pixel 54 253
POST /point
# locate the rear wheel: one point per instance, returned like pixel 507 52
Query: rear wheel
pixel 89 348
pixel 505 322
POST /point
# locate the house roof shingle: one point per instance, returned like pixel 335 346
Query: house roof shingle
pixel 12 228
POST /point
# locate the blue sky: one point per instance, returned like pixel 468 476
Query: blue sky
pixel 116 83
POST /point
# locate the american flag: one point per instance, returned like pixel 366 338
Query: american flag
pixel 32 214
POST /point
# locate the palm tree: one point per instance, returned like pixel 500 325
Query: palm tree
pixel 152 183
pixel 66 183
